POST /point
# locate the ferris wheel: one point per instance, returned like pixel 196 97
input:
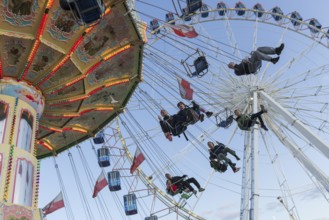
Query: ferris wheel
pixel 277 166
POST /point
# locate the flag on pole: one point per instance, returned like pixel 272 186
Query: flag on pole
pixel 54 205
pixel 138 159
pixel 184 30
pixel 185 89
pixel 101 182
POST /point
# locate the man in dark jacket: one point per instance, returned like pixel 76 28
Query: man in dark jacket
pixel 183 182
pixel 245 121
pixel 253 63
pixel 219 152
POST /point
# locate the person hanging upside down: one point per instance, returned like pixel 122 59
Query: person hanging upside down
pixel 252 64
pixel 182 182
pixel 246 121
pixel 218 153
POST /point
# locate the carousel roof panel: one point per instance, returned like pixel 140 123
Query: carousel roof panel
pixel 86 74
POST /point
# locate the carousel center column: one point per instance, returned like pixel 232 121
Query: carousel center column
pixel 21 106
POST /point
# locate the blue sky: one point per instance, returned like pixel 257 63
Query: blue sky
pixel 221 200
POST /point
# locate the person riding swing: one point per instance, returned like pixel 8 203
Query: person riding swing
pixel 252 64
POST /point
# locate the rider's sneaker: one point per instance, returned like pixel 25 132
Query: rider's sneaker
pixel 236 169
pixel 279 49
pixel 209 114
pixel 201 189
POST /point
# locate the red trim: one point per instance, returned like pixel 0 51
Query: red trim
pixel 18 159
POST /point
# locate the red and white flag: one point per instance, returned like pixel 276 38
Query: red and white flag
pixel 184 30
pixel 185 89
pixel 101 182
pixel 54 205
pixel 138 159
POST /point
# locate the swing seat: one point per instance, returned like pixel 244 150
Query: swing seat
pixel 193 5
pixel 220 166
pixel 87 12
pixel 226 123
pixel 200 65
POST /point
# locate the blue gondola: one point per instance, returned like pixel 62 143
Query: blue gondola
pixel 154 25
pixel 204 10
pixel 153 217
pixel 130 204
pixel 295 15
pixel 103 155
pixel 314 23
pixel 170 18
pixel 99 139
pixel 222 8
pixel 278 11
pixel 193 5
pixel 240 5
pixel 260 10
pixel 87 12
pixel 114 180
pixel 186 15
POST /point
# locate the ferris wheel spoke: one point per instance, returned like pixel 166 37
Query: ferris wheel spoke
pixel 312 168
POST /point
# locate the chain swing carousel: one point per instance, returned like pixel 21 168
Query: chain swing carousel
pixel 58 78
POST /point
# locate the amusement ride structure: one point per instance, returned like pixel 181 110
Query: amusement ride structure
pixel 67 85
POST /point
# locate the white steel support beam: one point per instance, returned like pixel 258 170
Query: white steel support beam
pixel 296 123
pixel 254 163
pixel 245 187
pixel 321 177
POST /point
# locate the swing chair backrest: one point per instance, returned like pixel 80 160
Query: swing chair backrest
pixel 173 189
pixel 201 66
pixel 220 166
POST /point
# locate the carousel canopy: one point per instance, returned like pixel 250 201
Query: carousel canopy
pixel 86 74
